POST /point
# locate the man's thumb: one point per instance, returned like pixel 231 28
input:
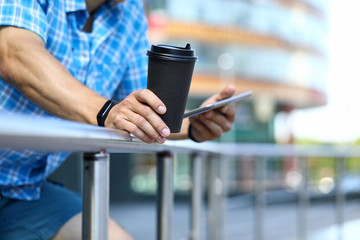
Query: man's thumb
pixel 226 92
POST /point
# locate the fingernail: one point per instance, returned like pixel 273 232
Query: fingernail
pixel 161 139
pixel 161 109
pixel 165 132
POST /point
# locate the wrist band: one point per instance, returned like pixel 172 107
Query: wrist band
pixel 104 111
pixel 190 134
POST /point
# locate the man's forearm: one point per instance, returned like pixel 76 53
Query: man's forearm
pixel 28 66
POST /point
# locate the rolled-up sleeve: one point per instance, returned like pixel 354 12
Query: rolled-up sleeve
pixel 24 14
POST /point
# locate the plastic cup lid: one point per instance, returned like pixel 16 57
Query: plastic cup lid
pixel 170 52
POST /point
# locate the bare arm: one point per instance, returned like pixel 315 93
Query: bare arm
pixel 27 65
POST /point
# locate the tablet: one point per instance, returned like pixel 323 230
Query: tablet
pixel 221 103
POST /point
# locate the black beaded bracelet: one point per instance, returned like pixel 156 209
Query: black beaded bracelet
pixel 190 134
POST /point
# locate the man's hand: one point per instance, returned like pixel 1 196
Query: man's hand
pixel 213 124
pixel 138 115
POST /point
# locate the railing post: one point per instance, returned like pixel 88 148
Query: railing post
pixel 340 196
pixel 165 197
pixel 196 196
pixel 95 216
pixel 303 199
pixel 260 170
pixel 217 198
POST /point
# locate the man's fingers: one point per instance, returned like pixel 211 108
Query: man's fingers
pixel 147 106
pixel 149 121
pixel 213 124
pixel 138 114
pixel 148 97
pixel 229 111
pixel 133 129
pixel 217 123
pixel 200 131
pixel 140 127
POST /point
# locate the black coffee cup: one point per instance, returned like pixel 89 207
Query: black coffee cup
pixel 169 77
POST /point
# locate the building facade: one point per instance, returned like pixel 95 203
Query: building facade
pixel 276 48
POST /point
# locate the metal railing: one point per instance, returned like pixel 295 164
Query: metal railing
pixel 22 132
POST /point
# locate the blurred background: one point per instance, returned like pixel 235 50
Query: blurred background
pixel 300 59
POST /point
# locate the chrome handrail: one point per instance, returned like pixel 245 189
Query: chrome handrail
pixel 49 134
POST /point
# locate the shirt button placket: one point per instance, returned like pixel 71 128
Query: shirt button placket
pixel 85 56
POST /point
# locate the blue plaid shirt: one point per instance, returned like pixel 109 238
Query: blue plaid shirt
pixel 111 60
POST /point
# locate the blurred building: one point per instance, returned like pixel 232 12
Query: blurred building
pixel 276 48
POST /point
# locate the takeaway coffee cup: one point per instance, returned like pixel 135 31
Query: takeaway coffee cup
pixel 169 77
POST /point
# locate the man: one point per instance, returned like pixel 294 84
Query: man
pixel 67 58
